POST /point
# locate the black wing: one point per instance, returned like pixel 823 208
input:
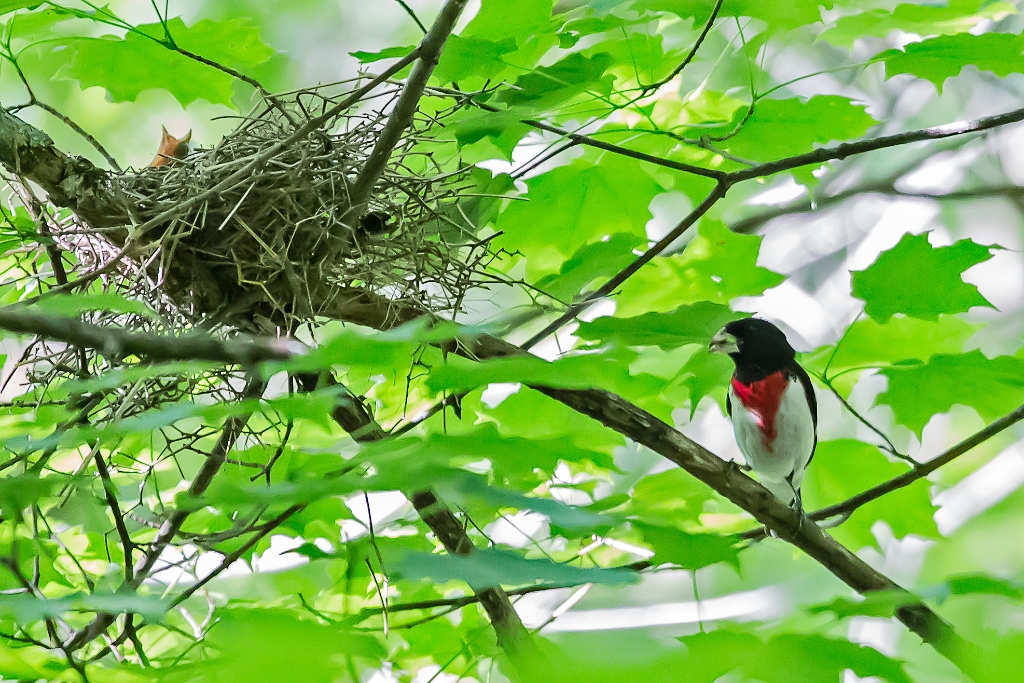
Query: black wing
pixel 812 400
pixel 728 403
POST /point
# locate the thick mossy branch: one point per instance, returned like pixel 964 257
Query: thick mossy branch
pixel 71 182
pixel 120 343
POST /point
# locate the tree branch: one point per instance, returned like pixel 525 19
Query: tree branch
pixel 404 110
pixel 753 223
pixel 236 554
pixel 118 342
pixel 70 182
pixel 110 493
pixel 644 428
pixel 411 13
pixel 848 149
pixel 922 470
pixel 512 636
pixel 607 288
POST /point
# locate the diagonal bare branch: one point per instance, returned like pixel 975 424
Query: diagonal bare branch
pixel 922 470
pixel 607 288
pixel 404 110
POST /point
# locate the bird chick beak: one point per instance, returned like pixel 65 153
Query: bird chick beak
pixel 723 342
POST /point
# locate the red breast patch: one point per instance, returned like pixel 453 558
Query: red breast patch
pixel 762 398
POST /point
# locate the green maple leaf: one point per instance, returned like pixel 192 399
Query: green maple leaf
pixel 608 370
pixel 916 392
pixel 937 59
pixel 919 280
pixel 703 374
pixel 597 260
pixel 466 57
pixel 127 66
pixel 573 205
pixel 11 5
pixel 494 567
pixel 959 16
pixel 386 53
pixel 867 342
pixel 670 498
pixel 813 658
pixel 718 265
pixel 782 128
pixel 692 324
pixel 689 551
pixel 638 56
pixel 499 19
pixel 846 467
pixel 547 86
pixel 779 16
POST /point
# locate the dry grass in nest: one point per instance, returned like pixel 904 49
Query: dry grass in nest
pixel 275 249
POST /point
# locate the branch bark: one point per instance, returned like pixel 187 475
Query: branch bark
pixel 639 425
pixel 118 342
pixel 920 471
pixel 402 114
pixel 70 182
pixel 512 636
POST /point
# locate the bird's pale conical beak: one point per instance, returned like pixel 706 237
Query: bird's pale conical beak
pixel 723 342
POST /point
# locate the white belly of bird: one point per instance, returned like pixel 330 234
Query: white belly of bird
pixel 793 445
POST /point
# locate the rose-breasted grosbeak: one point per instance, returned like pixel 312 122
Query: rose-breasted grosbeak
pixel 772 405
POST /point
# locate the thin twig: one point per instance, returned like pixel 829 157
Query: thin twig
pixel 693 51
pixel 607 288
pixel 408 10
pixel 922 470
pixel 889 446
pixel 110 493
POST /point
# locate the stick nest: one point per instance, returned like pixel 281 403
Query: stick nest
pixel 280 246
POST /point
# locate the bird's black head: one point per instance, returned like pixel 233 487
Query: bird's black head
pixel 756 346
